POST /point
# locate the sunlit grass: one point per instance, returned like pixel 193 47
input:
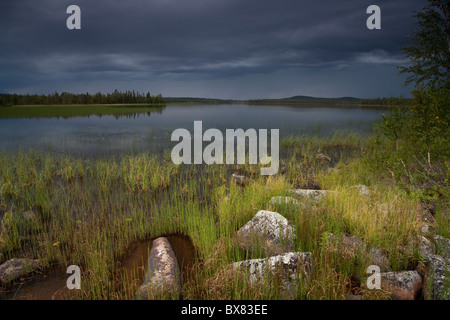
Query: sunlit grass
pixel 90 211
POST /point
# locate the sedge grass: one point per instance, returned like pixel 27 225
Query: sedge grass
pixel 90 211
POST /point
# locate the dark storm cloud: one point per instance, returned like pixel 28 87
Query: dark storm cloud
pixel 204 47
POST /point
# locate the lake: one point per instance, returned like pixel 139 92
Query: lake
pixel 150 130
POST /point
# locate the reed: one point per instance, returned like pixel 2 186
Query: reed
pixel 88 212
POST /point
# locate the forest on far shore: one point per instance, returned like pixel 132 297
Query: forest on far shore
pixel 65 98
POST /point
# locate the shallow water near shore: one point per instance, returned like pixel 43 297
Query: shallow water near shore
pixel 51 283
pixel 134 261
pixel 47 285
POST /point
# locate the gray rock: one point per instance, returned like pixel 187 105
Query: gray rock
pixel 333 170
pixel 354 297
pixel 241 180
pixel 17 267
pixel 313 195
pixel 379 258
pixel 291 265
pixel 424 229
pixel 443 246
pixel 435 271
pixel 268 233
pixel 163 275
pixel 404 285
pixel 423 246
pixel 283 201
pixel 363 189
pixel 322 157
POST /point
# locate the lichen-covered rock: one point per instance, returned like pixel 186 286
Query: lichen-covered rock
pixel 403 285
pixel 443 246
pixel 284 201
pixel 17 267
pixel 163 273
pixel 435 271
pixel 241 180
pixel 313 195
pixel 267 233
pixel 291 265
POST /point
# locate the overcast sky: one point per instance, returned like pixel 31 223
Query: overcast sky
pixel 235 49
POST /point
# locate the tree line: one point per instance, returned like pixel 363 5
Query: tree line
pixel 117 97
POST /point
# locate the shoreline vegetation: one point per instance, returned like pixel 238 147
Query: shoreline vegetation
pixel 62 210
pixel 118 98
pixel 80 110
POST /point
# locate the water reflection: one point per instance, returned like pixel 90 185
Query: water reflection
pixel 150 130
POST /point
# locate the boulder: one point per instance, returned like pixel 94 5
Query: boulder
pixel 267 233
pixel 443 246
pixel 313 195
pixel 436 283
pixel 163 275
pixel 17 267
pixel 290 265
pixel 241 180
pixel 403 285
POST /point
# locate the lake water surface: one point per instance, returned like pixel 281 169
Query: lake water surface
pixel 151 131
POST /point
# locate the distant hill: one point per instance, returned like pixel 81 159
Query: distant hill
pixel 310 98
pixel 342 102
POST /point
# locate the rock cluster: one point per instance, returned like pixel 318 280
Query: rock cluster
pixel 272 235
